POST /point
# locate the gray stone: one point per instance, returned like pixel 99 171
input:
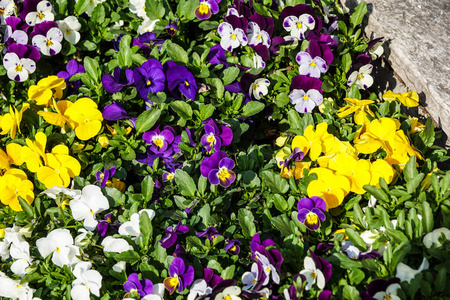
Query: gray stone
pixel 417 35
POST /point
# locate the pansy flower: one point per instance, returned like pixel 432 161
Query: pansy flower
pixel 209 233
pixel 72 68
pixel 231 38
pixel 114 112
pixel 259 88
pixel 362 77
pixel 6 9
pixel 115 83
pixel 47 37
pixel 382 289
pixel 149 78
pixel 106 223
pixel 232 247
pixel 17 68
pixel 216 137
pixel 138 288
pixel 256 35
pixel 103 177
pixel 217 168
pixel 298 20
pixel 207 8
pixel 159 140
pixel 179 78
pixel 310 212
pixel 310 66
pixel 317 271
pixel 70 27
pixel 306 93
pixel 172 233
pixel 43 13
pixel 180 277
pixel 15 31
pixel 171 28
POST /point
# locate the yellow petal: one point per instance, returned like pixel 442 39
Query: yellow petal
pixel 88 130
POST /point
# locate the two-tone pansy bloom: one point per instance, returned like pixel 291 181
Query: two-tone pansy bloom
pixel 158 140
pixel 207 8
pixel 216 137
pixel 20 61
pixel 306 93
pixel 311 212
pixel 231 38
pixel 298 20
pixel 218 168
pixel 43 13
pixel 180 277
pixel 47 37
pixel 172 233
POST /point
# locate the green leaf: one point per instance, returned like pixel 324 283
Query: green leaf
pixel 295 122
pixel 358 15
pixel 246 219
pixel 154 9
pixel 81 6
pixel 378 193
pixel 183 109
pixel 130 256
pixel 350 292
pixel 252 108
pixel 26 206
pixel 428 134
pixel 187 8
pixel 427 217
pixel 92 68
pixel 177 53
pixel 228 273
pixel 216 85
pixel 275 182
pixel 195 241
pixel 355 238
pixel 283 225
pixel 280 203
pixel 358 215
pixel 346 62
pixel 356 276
pixel 354 92
pixel 410 170
pixel 147 119
pixel 185 182
pixel 229 75
pixel 399 253
pixel 146 228
pixel 124 58
pixel 115 196
pixel 205 213
pixel 147 187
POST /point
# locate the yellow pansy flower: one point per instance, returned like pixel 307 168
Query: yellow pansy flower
pixel 104 141
pixel 11 156
pixel 10 122
pixel 58 118
pixel 314 142
pixel 34 154
pixel 86 118
pixel 359 107
pixel 409 99
pixel 357 171
pixel 46 89
pixel 329 186
pixel 380 133
pixel 117 184
pixel 416 126
pixel 58 170
pixel 381 168
pixel 14 183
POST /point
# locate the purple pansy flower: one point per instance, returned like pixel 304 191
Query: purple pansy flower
pixel 180 252
pixel 15 31
pixel 211 278
pixel 354 253
pixel 28 6
pixel 169 176
pixel 171 28
pixel 149 78
pixel 179 77
pixel 103 177
pixel 311 212
pixel 172 233
pixel 298 20
pixel 209 233
pixel 306 93
pixel 207 8
pixel 179 276
pixel 103 225
pixel 19 61
pixel 296 155
pixel 47 37
pixel 216 137
pixel 138 288
pixel 114 83
pixel 114 112
pixel 232 246
pixel 256 241
pixel 217 168
pixel 231 37
pixel 72 68
pixel 158 140
pixel 216 56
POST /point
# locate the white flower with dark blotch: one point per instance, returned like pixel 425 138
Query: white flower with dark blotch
pixel 258 62
pixel 91 202
pixel 43 13
pixel 199 288
pixel 137 7
pixel 305 101
pixel 406 273
pixel 250 279
pixel 309 66
pixel 87 281
pixel 234 12
pixel 17 68
pixel 362 77
pixel 231 38
pixel 259 88
pixel 49 44
pixel 147 25
pixel 7 8
pixel 70 27
pixel 116 245
pixel 131 228
pixel 432 238
pixel 257 36
pixel 229 293
pixel 312 274
pixel 298 27
pixel 268 268
pixel 58 242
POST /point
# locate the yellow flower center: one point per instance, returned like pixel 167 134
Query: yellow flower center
pixel 258 37
pixel 313 275
pixel 41 15
pixel 158 142
pixel 148 82
pixel 232 249
pixel 171 283
pixel 255 86
pixel 268 269
pixel 2 11
pixel 91 211
pixel 254 281
pixel 311 218
pixel 19 68
pixel 143 8
pixel 108 220
pixel 305 98
pixel 49 43
pixel 186 83
pixel 387 297
pixel 233 36
pixel 203 9
pixel 312 64
pixel 170 176
pixel 68 31
pixel 223 174
pixel 299 25
pixel 227 297
pixel 360 76
pixel 211 139
pixel 58 250
pixel 18 286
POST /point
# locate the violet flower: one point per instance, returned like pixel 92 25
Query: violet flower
pixel 216 137
pixel 138 288
pixel 296 155
pixel 172 233
pixel 72 68
pixel 149 78
pixel 256 241
pixel 24 51
pixel 103 177
pixel 232 246
pixel 114 83
pixel 207 8
pixel 17 66
pixel 254 279
pixel 211 278
pixel 15 31
pixel 180 252
pixel 298 20
pixel 179 276
pixel 169 176
pixel 354 253
pixel 158 140
pixel 171 28
pixel 216 56
pixel 103 225
pixel 217 168
pixel 306 93
pixel 311 212
pixel 209 233
pixel 28 6
pixel 295 290
pixel 179 77
pixel 114 112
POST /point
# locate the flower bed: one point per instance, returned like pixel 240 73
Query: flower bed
pixel 211 150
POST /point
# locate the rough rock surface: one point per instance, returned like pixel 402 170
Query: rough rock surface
pixel 417 33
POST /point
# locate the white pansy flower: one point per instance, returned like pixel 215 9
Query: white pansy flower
pixel 137 7
pixel 70 27
pixel 17 68
pixel 12 235
pixel 49 44
pixel 229 293
pixel 258 63
pixel 55 191
pixel 377 50
pixel 119 267
pixel 19 36
pixel 231 38
pixel 268 269
pixel 390 293
pixel 309 66
pixel 43 13
pixel 6 10
pixel 257 36
pixel 131 227
pixel 58 242
pixel 20 251
pixel 87 281
pixel 406 273
pixel 83 239
pixel 361 77
pixel 147 25
pixel 432 238
pixel 305 101
pixel 13 289
pixel 116 245
pixel 259 88
pixel 250 279
pixel 298 27
pixel 91 202
pixel 312 274
pixel 351 250
pixel 199 288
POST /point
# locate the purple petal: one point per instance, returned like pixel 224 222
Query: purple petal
pixel 319 203
pixel 302 213
pixel 226 136
pixel 226 163
pixel 114 112
pixel 306 203
pixel 213 178
pixel 169 240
